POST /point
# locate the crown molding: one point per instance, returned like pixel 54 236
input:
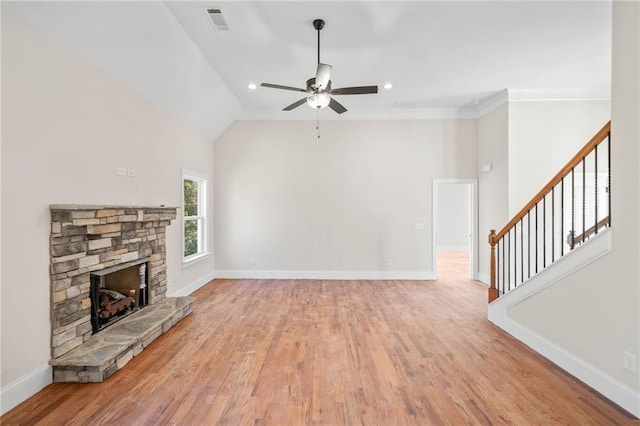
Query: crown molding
pixel 486 105
pixel 539 95
pixel 483 107
pixel 362 114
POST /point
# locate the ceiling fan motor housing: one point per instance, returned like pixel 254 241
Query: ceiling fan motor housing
pixel 311 85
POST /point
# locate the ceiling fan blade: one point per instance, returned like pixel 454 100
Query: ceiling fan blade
pixel 359 90
pixel 337 106
pixel 323 75
pixel 296 104
pixel 278 86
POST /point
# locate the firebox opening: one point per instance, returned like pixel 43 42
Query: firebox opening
pixel 117 292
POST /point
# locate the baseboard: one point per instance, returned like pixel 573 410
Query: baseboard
pixel 25 387
pixel 616 391
pixel 598 246
pixel 190 288
pixel 484 278
pixel 28 385
pixel 324 275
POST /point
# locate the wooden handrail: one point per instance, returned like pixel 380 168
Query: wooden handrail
pixel 494 237
pixel 599 137
pixel 589 232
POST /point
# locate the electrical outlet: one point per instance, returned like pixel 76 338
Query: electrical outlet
pixel 389 262
pixel 252 261
pixel 122 171
pixel 131 173
pixel 630 362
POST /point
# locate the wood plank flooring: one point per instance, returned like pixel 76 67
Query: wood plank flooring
pixel 303 352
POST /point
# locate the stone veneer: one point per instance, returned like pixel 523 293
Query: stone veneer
pixel 86 238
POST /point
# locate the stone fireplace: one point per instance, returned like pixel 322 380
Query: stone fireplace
pixel 107 263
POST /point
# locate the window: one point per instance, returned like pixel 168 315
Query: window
pixel 194 235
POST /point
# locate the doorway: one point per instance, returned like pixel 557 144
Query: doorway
pixel 455 223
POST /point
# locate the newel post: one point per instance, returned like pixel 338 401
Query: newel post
pixel 493 290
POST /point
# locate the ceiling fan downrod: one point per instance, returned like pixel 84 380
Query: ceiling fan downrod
pixel 318 24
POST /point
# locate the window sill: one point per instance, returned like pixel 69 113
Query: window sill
pixel 195 259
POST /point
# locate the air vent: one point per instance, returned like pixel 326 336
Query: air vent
pixel 218 21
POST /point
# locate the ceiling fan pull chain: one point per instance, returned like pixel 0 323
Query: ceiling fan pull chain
pixel 318 122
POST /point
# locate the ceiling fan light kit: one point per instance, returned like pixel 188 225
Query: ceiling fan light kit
pixel 319 100
pixel 319 91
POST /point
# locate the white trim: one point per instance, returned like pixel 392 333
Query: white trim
pixel 484 278
pixel 363 114
pixel 196 258
pixel 469 111
pixel 201 218
pixel 25 387
pixel 324 275
pixel 200 282
pixel 487 105
pixel 616 391
pixel 453 248
pixel 595 248
pixel 538 95
pixel 473 249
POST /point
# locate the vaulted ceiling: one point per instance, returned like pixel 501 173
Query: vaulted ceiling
pixel 437 55
pixel 441 57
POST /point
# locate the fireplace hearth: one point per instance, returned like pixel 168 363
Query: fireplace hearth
pixel 108 287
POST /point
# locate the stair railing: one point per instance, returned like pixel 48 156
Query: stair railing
pixel 573 207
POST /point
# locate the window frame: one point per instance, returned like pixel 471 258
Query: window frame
pixel 200 218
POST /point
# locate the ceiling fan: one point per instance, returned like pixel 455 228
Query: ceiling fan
pixel 319 91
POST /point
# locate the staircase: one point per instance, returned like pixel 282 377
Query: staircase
pixel 574 207
pixel 542 292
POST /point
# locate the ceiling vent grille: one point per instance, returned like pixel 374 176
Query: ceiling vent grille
pixel 218 21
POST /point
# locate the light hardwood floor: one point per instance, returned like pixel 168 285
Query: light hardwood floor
pixel 332 352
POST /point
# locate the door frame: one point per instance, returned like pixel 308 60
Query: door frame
pixel 473 250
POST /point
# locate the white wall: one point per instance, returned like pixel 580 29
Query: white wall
pixel 453 217
pixel 594 314
pixel 65 131
pixel 493 186
pixel 543 137
pixel 339 206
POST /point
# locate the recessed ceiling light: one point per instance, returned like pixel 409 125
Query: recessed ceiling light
pixel 252 86
pixel 388 86
pixel 476 102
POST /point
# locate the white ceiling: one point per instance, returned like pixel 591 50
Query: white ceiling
pixel 439 56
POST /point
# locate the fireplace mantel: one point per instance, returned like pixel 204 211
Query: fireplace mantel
pixel 105 207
